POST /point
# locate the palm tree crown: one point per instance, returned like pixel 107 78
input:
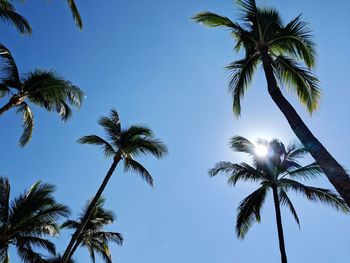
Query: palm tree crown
pixel 28 220
pixel 41 87
pixel 127 143
pixel 262 32
pixel 279 170
pixel 94 238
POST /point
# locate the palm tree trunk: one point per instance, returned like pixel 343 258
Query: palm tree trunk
pixel 76 245
pixel 279 225
pixel 332 169
pixel 68 252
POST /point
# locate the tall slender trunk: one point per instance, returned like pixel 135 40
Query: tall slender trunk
pixel 331 168
pixel 68 252
pixel 279 225
pixel 75 247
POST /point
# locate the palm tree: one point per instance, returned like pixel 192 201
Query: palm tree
pixel 121 145
pixel 93 236
pixel 28 220
pixel 278 171
pixel 9 15
pixel 282 50
pixel 40 87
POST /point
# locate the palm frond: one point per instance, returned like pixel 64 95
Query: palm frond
pixel 48 90
pixel 4 200
pixel 237 172
pixel 112 129
pixel 316 194
pixel 28 123
pixel 107 149
pixel 132 165
pixel 303 81
pixel 213 20
pixel 32 241
pixel 249 211
pixel 296 39
pixel 284 199
pixel 241 75
pixel 306 172
pixel 9 15
pixel 241 144
pixel 4 257
pixel 75 13
pixel 139 140
pixel 9 71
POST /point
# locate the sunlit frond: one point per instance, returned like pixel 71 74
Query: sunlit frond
pixel 295 39
pixel 213 20
pixel 299 79
pixel 241 144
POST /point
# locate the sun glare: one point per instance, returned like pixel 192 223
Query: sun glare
pixel 261 150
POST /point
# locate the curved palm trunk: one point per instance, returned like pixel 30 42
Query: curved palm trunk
pixel 279 225
pixel 68 252
pixel 332 169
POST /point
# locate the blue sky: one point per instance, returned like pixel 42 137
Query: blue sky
pixel 155 66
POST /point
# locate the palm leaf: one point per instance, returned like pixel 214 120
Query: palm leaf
pixel 300 79
pixel 75 13
pixel 9 15
pixel 9 70
pixel 107 149
pixel 132 165
pixel 241 74
pixel 213 20
pixel 241 144
pixel 296 39
pixel 28 123
pixel 306 172
pixel 249 211
pixel 4 200
pixel 284 199
pixel 316 194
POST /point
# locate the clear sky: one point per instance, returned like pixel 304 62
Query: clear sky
pixel 155 66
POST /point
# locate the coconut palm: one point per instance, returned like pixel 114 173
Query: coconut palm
pixel 42 88
pixel 9 15
pixel 287 54
pixel 278 171
pixel 121 145
pixel 93 237
pixel 28 221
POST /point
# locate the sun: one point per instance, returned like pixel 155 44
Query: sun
pixel 261 150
